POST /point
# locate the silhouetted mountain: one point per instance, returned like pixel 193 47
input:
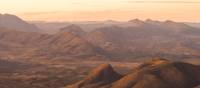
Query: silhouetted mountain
pixel 137 21
pixel 156 73
pixel 13 22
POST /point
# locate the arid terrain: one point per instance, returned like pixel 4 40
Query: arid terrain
pixel 156 73
pixel 58 55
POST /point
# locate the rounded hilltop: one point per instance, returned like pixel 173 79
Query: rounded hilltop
pixel 154 73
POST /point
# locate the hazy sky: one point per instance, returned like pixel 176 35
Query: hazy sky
pixel 90 10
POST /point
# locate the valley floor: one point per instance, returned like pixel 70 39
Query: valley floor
pixel 34 73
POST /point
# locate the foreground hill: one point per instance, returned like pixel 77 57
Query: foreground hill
pixel 157 73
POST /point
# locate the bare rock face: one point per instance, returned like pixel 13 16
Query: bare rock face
pixel 156 73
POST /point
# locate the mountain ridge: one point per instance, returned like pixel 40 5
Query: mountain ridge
pixel 156 73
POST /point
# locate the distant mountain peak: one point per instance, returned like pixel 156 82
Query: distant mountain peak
pixel 169 21
pixel 13 22
pixel 149 19
pixel 136 20
pixel 72 26
pixel 6 14
pixel 111 21
pixel 10 17
pixel 153 22
pixel 74 29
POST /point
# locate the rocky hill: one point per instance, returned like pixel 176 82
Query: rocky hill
pixel 156 73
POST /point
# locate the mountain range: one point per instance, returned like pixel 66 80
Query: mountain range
pixel 53 55
pixel 149 37
pixel 111 39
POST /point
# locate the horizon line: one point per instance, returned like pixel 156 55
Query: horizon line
pixel 112 20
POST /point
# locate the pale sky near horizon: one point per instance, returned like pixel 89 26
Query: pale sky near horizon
pixel 91 10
